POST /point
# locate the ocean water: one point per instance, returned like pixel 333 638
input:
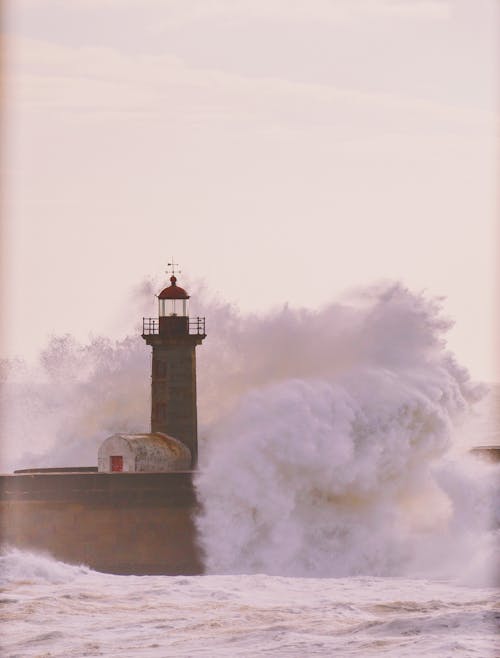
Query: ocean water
pixel 343 514
pixel 57 610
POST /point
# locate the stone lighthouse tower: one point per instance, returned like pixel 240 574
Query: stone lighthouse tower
pixel 174 337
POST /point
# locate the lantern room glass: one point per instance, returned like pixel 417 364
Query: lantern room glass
pixel 167 307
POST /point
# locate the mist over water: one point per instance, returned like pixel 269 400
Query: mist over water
pixel 332 442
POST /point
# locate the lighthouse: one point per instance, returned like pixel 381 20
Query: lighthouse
pixel 172 444
pixel 173 335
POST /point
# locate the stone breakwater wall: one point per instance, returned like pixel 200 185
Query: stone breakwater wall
pixel 489 453
pixel 122 523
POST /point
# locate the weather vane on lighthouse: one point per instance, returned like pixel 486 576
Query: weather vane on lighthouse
pixel 172 269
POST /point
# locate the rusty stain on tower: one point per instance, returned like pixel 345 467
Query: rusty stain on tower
pixel 174 337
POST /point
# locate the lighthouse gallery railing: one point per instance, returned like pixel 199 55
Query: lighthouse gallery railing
pixel 152 326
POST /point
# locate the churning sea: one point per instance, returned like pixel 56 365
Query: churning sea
pixel 343 514
pixel 54 610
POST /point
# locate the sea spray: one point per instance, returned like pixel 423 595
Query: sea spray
pixel 324 435
pixel 328 463
pixel 57 412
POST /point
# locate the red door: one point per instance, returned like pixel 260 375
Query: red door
pixel 116 463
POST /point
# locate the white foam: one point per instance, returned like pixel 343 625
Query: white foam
pixel 17 566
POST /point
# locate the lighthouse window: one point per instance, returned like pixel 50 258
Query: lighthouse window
pixel 172 307
pixel 178 307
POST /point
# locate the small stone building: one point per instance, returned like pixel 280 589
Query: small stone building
pixel 141 453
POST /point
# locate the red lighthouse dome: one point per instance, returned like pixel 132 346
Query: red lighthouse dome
pixel 173 291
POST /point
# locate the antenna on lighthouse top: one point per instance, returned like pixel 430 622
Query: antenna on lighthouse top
pixel 172 267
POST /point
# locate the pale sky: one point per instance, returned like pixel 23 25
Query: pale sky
pixel 281 150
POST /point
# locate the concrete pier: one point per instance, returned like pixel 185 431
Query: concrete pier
pixel 122 523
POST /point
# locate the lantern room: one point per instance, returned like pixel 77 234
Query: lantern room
pixel 173 301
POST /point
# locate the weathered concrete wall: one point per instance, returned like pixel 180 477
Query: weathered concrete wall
pixel 128 523
pixel 489 453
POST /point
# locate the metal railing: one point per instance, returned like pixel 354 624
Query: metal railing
pixel 196 326
pixel 150 326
